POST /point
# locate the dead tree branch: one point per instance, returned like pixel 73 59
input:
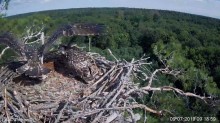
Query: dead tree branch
pixel 3 51
pixel 35 33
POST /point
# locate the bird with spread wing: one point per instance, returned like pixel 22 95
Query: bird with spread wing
pixel 31 65
pixel 31 56
pixel 79 29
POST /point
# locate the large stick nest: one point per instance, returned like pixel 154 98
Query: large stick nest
pixel 111 97
pixel 61 98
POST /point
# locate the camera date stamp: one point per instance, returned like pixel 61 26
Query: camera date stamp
pixel 194 118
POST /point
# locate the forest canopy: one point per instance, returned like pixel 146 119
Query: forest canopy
pixel 185 42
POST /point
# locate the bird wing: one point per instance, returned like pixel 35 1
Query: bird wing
pixel 37 72
pixel 73 30
pixel 14 44
pixel 33 69
pixel 84 29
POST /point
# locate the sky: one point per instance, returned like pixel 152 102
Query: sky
pixel 210 8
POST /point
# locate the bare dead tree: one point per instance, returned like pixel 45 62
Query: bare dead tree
pixel 34 32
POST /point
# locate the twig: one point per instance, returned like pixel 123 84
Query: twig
pixel 106 74
pixel 61 112
pixel 5 102
pixel 32 33
pixel 113 55
pixel 3 51
pixel 181 92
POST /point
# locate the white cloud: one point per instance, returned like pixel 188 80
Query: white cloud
pixel 46 1
pixel 200 0
pixel 208 0
pixel 29 1
pixel 18 2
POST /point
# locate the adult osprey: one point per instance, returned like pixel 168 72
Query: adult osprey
pixel 31 56
pixel 79 29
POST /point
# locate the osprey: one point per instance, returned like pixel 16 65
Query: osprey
pixel 79 29
pixel 78 63
pixel 30 56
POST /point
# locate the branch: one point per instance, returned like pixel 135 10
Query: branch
pixel 112 55
pixel 3 51
pixel 33 32
pixel 179 91
pixel 164 71
pixel 133 106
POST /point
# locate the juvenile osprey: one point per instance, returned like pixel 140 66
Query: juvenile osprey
pixel 31 56
pixel 78 62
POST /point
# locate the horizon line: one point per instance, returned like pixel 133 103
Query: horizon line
pixel 40 11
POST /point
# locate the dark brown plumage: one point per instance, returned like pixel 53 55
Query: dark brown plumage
pixel 9 40
pixel 81 29
pixel 30 61
pixel 77 61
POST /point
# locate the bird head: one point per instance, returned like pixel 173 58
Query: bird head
pixel 62 49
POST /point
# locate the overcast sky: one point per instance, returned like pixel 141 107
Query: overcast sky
pixel 209 8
